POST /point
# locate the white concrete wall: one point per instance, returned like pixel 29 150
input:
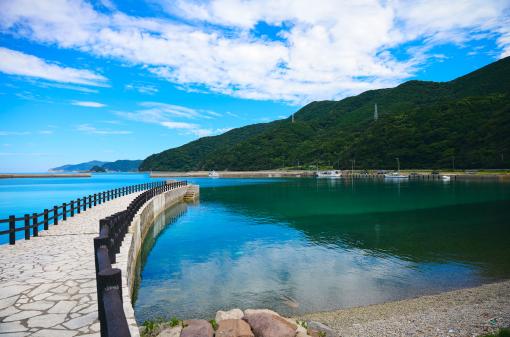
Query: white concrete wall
pixel 132 244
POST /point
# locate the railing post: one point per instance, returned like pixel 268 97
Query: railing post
pixel 12 230
pixel 27 227
pixel 90 201
pixel 107 279
pixel 78 205
pixel 95 199
pixel 55 215
pixel 72 208
pixel 46 219
pixel 64 211
pixel 84 203
pixel 35 229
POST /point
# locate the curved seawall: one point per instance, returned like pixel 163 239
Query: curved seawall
pixel 129 255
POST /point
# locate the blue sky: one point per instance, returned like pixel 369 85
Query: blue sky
pixel 106 80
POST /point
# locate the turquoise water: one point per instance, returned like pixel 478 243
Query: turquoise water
pixel 19 196
pixel 307 245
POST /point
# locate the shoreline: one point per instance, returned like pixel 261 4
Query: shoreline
pixel 421 174
pixel 463 312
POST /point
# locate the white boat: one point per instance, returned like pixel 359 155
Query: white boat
pixel 396 175
pixel 329 174
pixel 445 178
pixel 214 174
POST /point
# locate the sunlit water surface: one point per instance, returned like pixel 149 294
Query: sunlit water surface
pixel 305 245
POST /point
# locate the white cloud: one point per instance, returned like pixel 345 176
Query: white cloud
pixel 18 63
pixel 323 50
pixel 179 125
pixel 167 114
pixel 88 104
pixel 87 128
pixel 142 88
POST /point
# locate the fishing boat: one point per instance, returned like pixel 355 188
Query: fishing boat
pixel 445 178
pixel 214 174
pixel 396 175
pixel 329 174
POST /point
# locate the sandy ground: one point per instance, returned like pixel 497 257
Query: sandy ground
pixel 465 312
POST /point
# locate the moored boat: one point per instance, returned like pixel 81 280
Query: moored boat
pixel 214 174
pixel 396 175
pixel 329 174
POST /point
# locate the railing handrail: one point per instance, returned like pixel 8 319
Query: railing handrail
pixel 66 209
pixel 112 230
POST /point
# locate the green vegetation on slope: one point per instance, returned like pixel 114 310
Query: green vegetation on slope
pixel 122 165
pixel 464 122
pixel 116 166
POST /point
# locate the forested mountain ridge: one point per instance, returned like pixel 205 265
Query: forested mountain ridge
pixel 115 166
pixel 426 124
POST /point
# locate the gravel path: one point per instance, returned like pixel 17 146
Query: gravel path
pixel 48 284
pixel 465 312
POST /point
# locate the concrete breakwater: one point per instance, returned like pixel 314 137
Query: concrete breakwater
pixel 48 285
pixel 127 259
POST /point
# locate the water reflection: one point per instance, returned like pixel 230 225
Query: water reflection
pixel 325 245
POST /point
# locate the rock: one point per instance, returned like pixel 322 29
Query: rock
pixel 266 324
pixel 258 311
pixel 233 328
pixel 317 329
pixel 302 334
pixel 171 332
pixel 197 328
pixel 230 314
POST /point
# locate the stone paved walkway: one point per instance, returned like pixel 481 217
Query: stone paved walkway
pixel 47 284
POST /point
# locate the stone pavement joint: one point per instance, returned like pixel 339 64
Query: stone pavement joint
pixel 48 283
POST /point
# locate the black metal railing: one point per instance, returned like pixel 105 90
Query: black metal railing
pixel 31 223
pixel 112 230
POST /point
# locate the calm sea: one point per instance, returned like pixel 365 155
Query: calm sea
pixel 32 195
pixel 306 245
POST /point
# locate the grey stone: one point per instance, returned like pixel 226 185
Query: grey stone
pixel 230 314
pixel 7 302
pixel 54 333
pixel 314 328
pixel 11 327
pixel 46 321
pixel 8 311
pixel 62 307
pixel 38 305
pixel 22 315
pixel 79 322
pixel 12 290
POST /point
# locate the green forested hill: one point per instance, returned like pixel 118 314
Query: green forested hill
pixel 425 124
